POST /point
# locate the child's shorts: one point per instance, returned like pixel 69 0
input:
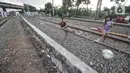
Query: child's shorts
pixel 105 31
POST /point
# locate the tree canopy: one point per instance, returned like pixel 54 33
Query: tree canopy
pixel 41 10
pixel 117 1
pixel 78 2
pixel 127 9
pixel 106 9
pixel 48 8
pixel 29 7
pixel 68 3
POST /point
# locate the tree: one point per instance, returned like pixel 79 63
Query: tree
pixel 56 10
pixel 66 5
pixel 87 2
pixel 113 8
pixel 62 11
pixel 41 10
pixel 78 2
pixel 113 12
pixel 117 1
pixel 127 9
pixel 25 7
pixel 106 9
pixel 48 8
pixel 29 7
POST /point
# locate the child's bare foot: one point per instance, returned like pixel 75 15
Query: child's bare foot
pixel 97 40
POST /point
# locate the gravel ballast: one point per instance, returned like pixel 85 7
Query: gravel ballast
pixel 116 44
pixel 117 29
pixel 88 51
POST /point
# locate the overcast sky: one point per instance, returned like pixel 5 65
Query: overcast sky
pixel 40 3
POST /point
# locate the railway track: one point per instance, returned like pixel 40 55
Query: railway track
pixel 122 29
pixel 96 21
pixel 91 33
pixel 4 20
pixel 86 49
pixel 79 26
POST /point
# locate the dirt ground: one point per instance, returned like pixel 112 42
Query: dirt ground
pixel 20 55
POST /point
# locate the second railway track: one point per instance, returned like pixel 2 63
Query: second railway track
pixel 4 20
pixel 86 49
pixel 92 36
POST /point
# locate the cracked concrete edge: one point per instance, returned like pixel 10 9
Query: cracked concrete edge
pixel 68 61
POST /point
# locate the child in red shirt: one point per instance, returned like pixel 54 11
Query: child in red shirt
pixel 63 23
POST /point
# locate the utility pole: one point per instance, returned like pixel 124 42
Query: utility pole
pixel 99 4
pixel 53 8
pixel 28 9
pixel 23 10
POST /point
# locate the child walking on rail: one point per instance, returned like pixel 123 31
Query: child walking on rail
pixel 63 23
pixel 64 26
pixel 105 30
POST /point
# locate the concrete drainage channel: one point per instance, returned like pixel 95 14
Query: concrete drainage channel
pixel 63 60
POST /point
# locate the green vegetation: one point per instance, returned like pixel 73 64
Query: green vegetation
pixel 73 8
pixel 117 1
pixel 48 8
pixel 30 8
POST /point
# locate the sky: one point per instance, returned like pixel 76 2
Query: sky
pixel 40 3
